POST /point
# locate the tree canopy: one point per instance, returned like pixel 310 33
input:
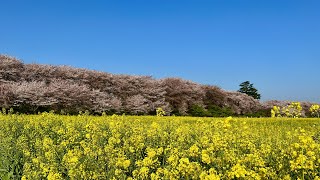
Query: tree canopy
pixel 248 88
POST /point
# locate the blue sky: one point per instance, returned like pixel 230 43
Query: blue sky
pixel 274 44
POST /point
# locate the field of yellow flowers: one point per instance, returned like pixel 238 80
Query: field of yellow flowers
pixel 49 146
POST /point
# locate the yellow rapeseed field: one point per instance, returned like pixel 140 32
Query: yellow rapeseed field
pixel 49 146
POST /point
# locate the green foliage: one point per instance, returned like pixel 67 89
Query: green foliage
pixel 198 111
pixel 216 111
pixel 247 88
pixel 259 113
pixel 211 111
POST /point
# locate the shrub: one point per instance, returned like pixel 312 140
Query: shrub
pixel 216 111
pixel 198 111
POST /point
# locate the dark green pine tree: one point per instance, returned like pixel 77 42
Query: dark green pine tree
pixel 247 88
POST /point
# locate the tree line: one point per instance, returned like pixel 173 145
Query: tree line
pixel 32 88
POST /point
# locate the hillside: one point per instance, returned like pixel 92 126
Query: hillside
pixel 33 87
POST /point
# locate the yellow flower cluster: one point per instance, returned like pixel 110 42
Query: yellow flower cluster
pixel 292 110
pixel 54 147
pixel 315 110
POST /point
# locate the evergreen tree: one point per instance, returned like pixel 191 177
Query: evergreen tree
pixel 247 88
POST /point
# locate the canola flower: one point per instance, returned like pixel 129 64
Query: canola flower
pixel 315 110
pixel 53 147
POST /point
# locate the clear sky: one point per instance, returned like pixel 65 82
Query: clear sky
pixel 275 44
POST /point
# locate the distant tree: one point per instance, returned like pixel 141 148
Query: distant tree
pixel 6 96
pixel 10 69
pixel 182 94
pixel 247 88
pixel 241 103
pixel 214 96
